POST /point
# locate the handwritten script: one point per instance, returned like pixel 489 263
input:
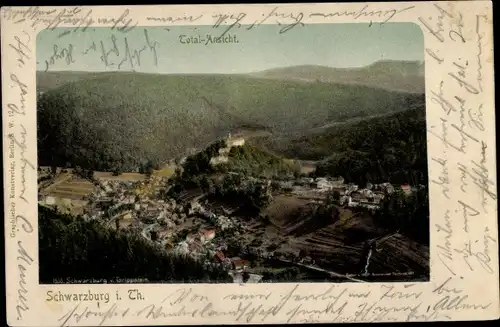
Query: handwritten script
pixel 22 170
pixel 336 303
pixel 78 18
pixel 461 132
pixel 462 174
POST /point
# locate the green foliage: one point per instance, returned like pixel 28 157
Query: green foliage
pixel 253 161
pixel 325 214
pixel 408 215
pixel 147 167
pixel 244 161
pixel 119 119
pixel 389 74
pixel 333 197
pixel 70 247
pixel 83 173
pixel 252 196
pixel 200 162
pixel 283 275
pixel 391 148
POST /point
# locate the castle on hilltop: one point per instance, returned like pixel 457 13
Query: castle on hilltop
pixel 234 141
pixel 231 142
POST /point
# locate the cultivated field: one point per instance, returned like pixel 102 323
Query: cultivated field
pixel 339 245
pixel 75 189
pixel 101 175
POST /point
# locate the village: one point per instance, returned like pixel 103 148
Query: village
pixel 193 223
pixel 195 226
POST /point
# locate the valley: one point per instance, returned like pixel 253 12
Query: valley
pixel 302 173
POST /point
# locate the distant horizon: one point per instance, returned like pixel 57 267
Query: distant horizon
pixel 192 49
pixel 421 62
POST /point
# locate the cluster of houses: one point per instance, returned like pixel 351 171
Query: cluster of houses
pixel 162 220
pixel 126 204
pixel 199 245
pixel 220 221
pixel 351 195
pixel 196 242
pixel 137 204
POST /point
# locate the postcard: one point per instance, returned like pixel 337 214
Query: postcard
pixel 249 164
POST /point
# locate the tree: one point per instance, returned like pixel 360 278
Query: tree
pixel 147 168
pixel 205 184
pixel 406 214
pixel 72 247
pixel 78 171
pixel 246 276
pixel 88 174
pixel 332 198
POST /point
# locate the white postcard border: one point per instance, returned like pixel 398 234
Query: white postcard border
pixel 459 53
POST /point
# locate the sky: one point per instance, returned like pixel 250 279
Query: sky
pixel 263 47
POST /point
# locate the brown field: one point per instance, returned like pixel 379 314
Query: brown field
pixel 66 185
pixel 340 245
pixel 165 172
pixel 399 253
pixel 282 207
pixel 69 192
pixel 102 175
pixel 249 134
pixel 307 167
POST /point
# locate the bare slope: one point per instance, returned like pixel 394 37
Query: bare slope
pixel 340 244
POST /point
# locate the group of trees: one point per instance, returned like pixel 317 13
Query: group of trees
pixel 282 275
pixel 247 160
pixel 388 148
pixel 84 173
pixel 253 196
pixel 392 148
pixel 251 160
pixel 112 121
pixel 70 247
pixel 148 167
pixel 244 161
pixel 71 135
pixel 399 212
pixel 406 214
pixel 199 163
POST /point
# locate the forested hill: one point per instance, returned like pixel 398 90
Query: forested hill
pixel 406 76
pixel 399 75
pixel 119 120
pixel 71 248
pixel 46 81
pixel 392 148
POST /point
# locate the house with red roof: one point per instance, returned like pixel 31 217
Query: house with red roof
pixel 220 257
pixel 406 189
